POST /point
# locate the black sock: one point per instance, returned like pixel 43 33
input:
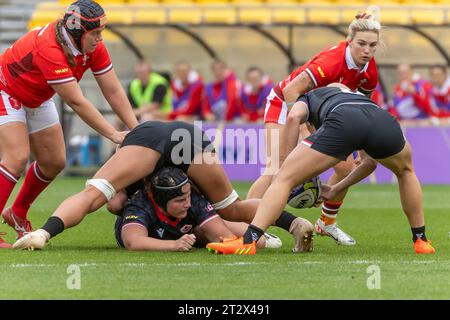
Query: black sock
pixel 252 234
pixel 285 220
pixel 54 226
pixel 419 233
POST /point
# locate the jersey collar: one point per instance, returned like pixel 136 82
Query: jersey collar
pixel 351 63
pixel 74 50
pixel 161 216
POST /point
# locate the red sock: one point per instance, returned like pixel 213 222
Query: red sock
pixel 330 211
pixel 7 183
pixel 35 182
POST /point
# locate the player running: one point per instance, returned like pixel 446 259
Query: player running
pixel 170 214
pixel 147 148
pixel 350 62
pixel 345 121
pixel 44 61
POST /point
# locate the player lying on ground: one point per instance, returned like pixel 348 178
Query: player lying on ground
pixel 345 121
pixel 170 214
pixel 147 148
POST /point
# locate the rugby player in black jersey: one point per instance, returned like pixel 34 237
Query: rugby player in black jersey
pixel 170 214
pixel 345 121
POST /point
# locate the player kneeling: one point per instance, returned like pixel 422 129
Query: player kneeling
pixel 174 216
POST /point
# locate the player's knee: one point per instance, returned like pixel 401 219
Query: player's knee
pixel 281 178
pixel 52 166
pixel 370 163
pixel 404 168
pixel 16 161
pixel 116 205
pixel 59 163
pixel 99 191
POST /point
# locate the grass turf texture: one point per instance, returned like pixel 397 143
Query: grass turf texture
pixel 371 214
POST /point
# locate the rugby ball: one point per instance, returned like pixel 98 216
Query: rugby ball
pixel 306 194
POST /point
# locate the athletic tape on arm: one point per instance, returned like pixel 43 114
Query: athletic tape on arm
pixel 227 201
pixel 103 186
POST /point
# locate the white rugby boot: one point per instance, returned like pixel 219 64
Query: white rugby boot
pixel 332 231
pixel 34 240
pixel 272 241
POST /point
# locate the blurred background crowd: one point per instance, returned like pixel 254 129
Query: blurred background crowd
pixel 182 93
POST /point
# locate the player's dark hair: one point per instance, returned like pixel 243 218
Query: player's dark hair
pixel 167 184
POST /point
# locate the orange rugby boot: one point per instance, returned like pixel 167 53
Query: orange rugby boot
pixel 421 246
pixel 232 246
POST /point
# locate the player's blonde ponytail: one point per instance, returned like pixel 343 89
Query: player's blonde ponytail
pixel 368 20
pixel 60 39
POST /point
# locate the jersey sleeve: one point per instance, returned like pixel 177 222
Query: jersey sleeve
pixel 202 209
pixel 54 66
pixel 136 210
pixel 101 62
pixel 324 68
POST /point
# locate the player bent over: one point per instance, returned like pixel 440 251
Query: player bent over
pixel 174 216
pixel 146 149
pixel 345 121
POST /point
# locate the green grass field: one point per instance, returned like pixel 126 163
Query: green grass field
pixel 371 214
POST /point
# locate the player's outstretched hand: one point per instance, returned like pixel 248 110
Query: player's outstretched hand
pixel 119 136
pixel 185 243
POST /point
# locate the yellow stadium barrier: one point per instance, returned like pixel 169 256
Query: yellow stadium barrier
pixel 251 12
pixel 190 15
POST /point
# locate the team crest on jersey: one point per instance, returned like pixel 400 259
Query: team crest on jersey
pixel 362 82
pixel 322 74
pixel 186 228
pixel 85 58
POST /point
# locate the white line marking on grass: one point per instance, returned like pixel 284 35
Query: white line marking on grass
pixel 29 265
pixel 225 264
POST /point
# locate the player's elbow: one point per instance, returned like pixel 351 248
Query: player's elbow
pixel 75 102
pixel 132 244
pixel 296 116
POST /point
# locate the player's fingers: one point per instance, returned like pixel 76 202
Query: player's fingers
pixel 190 240
pixel 187 239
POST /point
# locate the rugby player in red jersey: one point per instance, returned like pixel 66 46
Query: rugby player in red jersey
pixel 352 63
pixel 44 61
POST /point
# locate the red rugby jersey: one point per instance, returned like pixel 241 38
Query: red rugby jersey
pixel 36 61
pixel 335 64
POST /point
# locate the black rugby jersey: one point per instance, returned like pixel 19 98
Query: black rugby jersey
pixel 321 101
pixel 142 210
